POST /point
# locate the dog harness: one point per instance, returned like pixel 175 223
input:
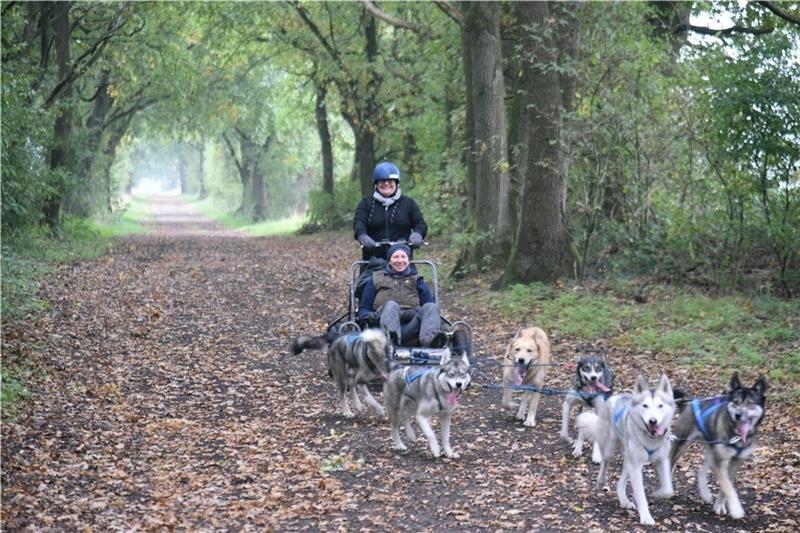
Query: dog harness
pixel 619 414
pixel 701 416
pixel 350 340
pixel 414 376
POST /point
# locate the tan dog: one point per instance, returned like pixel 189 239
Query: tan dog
pixel 526 363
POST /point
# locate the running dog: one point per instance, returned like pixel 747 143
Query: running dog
pixel 353 362
pixel 727 425
pixel 526 363
pixel 592 377
pixel 640 422
pixel 423 393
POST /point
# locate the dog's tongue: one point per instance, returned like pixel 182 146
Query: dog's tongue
pixel 452 397
pixel 602 387
pixel 744 429
pixel 660 430
pixel 519 374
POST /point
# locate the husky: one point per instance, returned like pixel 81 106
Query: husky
pixel 353 362
pixel 639 421
pixel 727 425
pixel 422 393
pixel 592 377
pixel 526 363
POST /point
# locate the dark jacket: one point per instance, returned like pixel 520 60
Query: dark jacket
pixel 367 304
pixel 393 223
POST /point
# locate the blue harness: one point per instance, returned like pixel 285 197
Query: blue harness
pixel 414 376
pixel 619 414
pixel 701 416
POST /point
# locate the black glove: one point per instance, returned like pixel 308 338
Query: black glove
pixel 415 239
pixel 366 241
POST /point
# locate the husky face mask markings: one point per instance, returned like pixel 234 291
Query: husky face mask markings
pixel 727 426
pixel 431 392
pixel 639 422
pixel 592 377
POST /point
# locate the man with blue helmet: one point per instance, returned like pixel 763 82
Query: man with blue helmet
pixel 387 215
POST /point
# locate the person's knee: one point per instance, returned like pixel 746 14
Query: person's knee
pixel 391 306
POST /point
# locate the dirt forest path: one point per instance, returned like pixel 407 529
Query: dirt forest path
pixel 165 398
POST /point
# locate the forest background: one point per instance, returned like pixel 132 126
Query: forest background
pixel 627 144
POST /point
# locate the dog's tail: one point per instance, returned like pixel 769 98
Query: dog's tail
pixel 460 343
pixel 588 424
pixel 306 342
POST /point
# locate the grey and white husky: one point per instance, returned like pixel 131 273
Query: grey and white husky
pixel 727 426
pixel 640 422
pixel 353 362
pixel 592 377
pixel 423 393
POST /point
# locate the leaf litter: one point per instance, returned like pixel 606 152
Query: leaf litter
pixel 165 398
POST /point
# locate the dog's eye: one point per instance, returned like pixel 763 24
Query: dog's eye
pixel 644 405
pixel 516 349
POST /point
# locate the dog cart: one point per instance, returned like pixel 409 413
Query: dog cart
pixel 411 354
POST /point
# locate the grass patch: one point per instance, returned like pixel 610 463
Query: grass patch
pixel 12 394
pixel 692 330
pixel 285 226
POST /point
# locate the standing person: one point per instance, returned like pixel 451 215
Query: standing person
pixel 387 215
pixel 400 300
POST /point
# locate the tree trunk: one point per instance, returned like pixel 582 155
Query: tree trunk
pixel 542 244
pixel 244 172
pixel 109 154
pixel 59 153
pixel 487 152
pixel 324 141
pixel 202 192
pixel 183 178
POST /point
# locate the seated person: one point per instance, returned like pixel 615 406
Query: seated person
pixel 400 300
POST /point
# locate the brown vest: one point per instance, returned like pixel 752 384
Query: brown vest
pixel 402 290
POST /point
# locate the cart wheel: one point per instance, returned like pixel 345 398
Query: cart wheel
pixel 349 327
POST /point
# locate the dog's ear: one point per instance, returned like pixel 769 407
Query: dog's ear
pixel 735 384
pixel 641 385
pixel 443 360
pixel 761 385
pixel 664 386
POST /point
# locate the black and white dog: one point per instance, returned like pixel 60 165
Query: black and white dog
pixel 592 378
pixel 727 426
pixel 353 362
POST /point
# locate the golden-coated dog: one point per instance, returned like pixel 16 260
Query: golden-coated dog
pixel 526 363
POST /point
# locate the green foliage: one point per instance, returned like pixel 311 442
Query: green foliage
pixel 31 253
pixel 220 214
pixel 12 393
pixel 733 330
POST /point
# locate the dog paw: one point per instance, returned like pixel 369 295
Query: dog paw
pixel 577 450
pixel 565 438
pixel 436 453
pixel 647 520
pixel 719 506
pixel 529 422
pixel 736 512
pixel 663 494
pixel 627 504
pixel 348 414
pixel 451 454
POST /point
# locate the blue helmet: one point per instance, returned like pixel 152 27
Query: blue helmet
pixel 385 171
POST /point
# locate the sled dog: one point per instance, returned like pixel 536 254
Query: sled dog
pixel 353 362
pixel 592 377
pixel 640 422
pixel 727 426
pixel 423 393
pixel 526 363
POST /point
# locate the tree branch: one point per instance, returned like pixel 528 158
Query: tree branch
pixel 785 15
pixel 722 31
pixel 389 19
pixel 451 11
